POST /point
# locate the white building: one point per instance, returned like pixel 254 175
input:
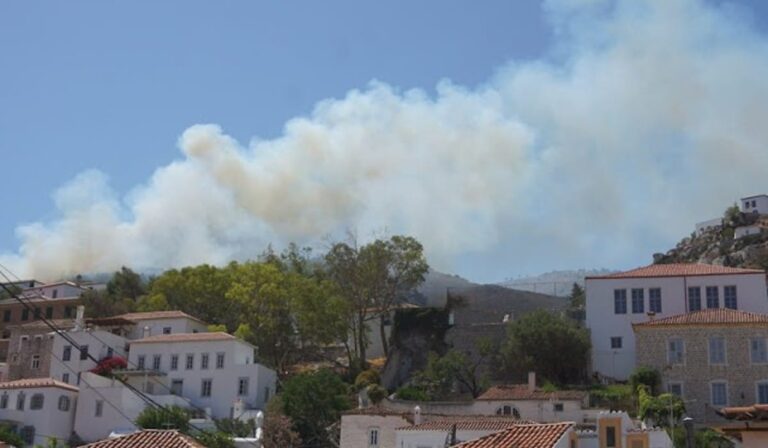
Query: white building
pixel 755 204
pixel 614 302
pixel 155 323
pixel 212 370
pixel 710 224
pixel 39 409
pixel 101 397
pixel 92 341
pixel 617 429
pixel 435 433
pixel 536 435
pixel 741 232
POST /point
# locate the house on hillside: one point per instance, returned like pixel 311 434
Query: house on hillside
pixel 755 204
pixel 549 435
pixel 711 358
pixel 617 301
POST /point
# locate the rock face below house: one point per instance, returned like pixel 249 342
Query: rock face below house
pixel 719 247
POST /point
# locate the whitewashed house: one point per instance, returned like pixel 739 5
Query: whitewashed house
pixel 105 405
pixel 755 204
pixel 213 370
pixel 155 323
pixel 39 409
pixel 614 302
pixel 710 224
pixel 456 429
pixel 617 429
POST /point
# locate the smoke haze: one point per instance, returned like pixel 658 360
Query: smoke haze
pixel 644 118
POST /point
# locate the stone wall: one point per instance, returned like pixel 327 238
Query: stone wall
pixel 696 373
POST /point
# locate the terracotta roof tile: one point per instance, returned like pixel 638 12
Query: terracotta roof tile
pixel 714 316
pixel 185 337
pixel 150 315
pixel 149 438
pixel 37 382
pixel 468 423
pixel 678 270
pixel 522 436
pixel 754 412
pixel 521 392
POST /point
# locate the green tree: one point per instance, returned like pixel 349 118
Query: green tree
pixel 8 436
pixel 577 299
pixel 373 279
pixel 314 401
pixel 455 366
pixel 663 409
pixel 548 344
pixel 126 283
pixel 279 433
pixel 645 376
pixel 215 439
pixel 169 417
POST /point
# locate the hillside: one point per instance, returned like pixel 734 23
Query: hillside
pixel 719 246
pixel 556 283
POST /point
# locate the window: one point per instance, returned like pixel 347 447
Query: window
pixel 713 298
pixel 140 364
pixel 675 388
pixel 204 361
pixel 719 390
pixel 190 362
pixel 67 311
pixel 166 330
pixel 219 360
pixel 174 362
pixel 7 316
pixel 762 392
pixel 67 355
pixel 27 434
pixel 37 313
pixel 638 301
pixel 177 387
pixel 620 301
pixel 64 403
pixel 205 390
pixel 676 351
pixel 65 378
pixel 83 352
pixel 25 314
pixel 49 312
pixel 616 342
pixel 558 407
pixel 729 297
pixel 4 401
pixel 55 293
pixel 36 403
pixel 757 352
pixel 99 411
pixel 242 386
pixel 156 362
pixel 35 364
pixel 610 436
pixel 717 350
pixel 373 437
pixel 20 401
pixel 266 394
pixel 654 300
pixel 694 298
pixel 110 352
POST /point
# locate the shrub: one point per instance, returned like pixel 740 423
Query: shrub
pixel 366 378
pixel 645 376
pixel 412 393
pixel 376 393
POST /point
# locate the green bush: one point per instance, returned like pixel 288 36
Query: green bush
pixel 412 393
pixel 645 376
pixel 366 378
pixel 376 393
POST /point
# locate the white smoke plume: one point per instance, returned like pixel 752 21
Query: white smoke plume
pixel 645 117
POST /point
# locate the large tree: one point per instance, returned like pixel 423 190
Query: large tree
pixel 547 343
pixel 374 279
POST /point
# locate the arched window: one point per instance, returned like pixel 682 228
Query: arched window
pixel 64 403
pixel 36 402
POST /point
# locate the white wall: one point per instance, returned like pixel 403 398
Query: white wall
pixel 542 411
pixel 93 388
pixel 238 363
pixel 156 326
pixel 604 323
pixel 48 421
pixel 434 439
pixel 741 232
pixel 354 429
pixel 98 342
pixel 701 227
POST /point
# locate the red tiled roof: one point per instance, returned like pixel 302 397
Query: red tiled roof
pixel 186 337
pixel 521 392
pixel 37 382
pixel 468 423
pixel 713 316
pixel 754 412
pixel 174 314
pixel 678 270
pixel 522 436
pixel 149 438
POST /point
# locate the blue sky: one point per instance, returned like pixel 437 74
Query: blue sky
pixel 112 85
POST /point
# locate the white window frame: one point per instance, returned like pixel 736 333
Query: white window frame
pixel 757 390
pixel 374 433
pixel 712 395
pixel 35 362
pixel 676 383
pixel 669 352
pixel 725 351
pixel 765 351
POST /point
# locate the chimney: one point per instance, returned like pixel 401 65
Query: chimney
pixel 531 381
pixel 80 318
pixel 258 431
pixel 146 332
pixel 416 415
